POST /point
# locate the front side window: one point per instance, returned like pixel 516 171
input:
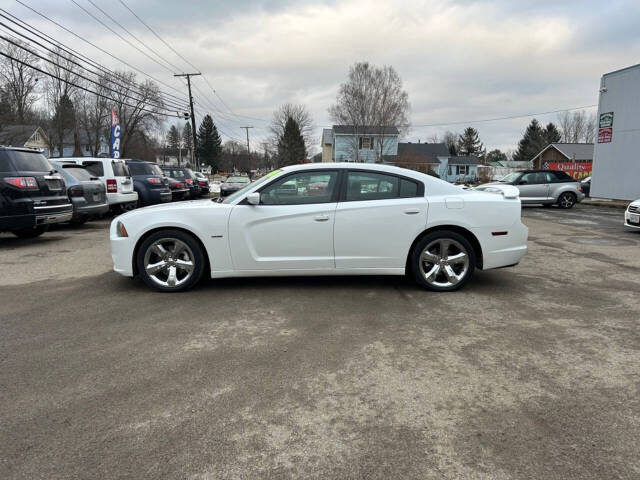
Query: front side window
pixel 301 189
pixel 532 178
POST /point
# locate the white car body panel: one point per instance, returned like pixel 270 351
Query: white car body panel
pixel 125 192
pixel 364 237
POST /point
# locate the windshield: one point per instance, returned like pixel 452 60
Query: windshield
pixel 512 177
pixel 18 161
pixel 249 186
pixel 238 180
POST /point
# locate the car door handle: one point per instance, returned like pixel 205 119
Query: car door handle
pixel 321 218
pixel 412 211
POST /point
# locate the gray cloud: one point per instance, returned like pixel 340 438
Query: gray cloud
pixel 460 60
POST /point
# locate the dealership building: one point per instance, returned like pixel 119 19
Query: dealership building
pixel 616 163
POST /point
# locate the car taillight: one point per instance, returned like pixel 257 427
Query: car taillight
pixel 179 185
pixel 202 184
pixel 75 191
pixel 189 181
pixel 154 180
pixel 112 186
pixel 23 183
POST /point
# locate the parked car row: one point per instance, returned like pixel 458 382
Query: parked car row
pixel 36 192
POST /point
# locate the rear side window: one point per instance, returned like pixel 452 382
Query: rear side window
pixel 562 177
pixel 120 169
pixel 95 168
pixel 376 186
pixel 78 172
pixel 17 161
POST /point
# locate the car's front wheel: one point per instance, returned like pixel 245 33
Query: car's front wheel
pixel 170 261
pixel 567 200
pixel 443 261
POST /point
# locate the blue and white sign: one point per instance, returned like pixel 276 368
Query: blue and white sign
pixel 115 135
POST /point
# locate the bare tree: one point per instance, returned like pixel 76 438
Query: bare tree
pixel 451 140
pixel 577 127
pixel 302 117
pixel 371 97
pixel 93 115
pixel 139 106
pixel 19 81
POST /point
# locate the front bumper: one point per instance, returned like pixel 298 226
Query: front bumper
pixel 121 251
pixel 628 216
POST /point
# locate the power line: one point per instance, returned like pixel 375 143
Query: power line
pixel 158 36
pixel 120 36
pixel 44 72
pixel 501 118
pixel 136 38
pixel 122 94
pixel 19 45
pixel 98 48
pixel 73 53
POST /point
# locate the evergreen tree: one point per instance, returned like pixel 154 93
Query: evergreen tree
pixel 173 138
pixel 209 143
pixel 64 119
pixel 469 143
pixel 496 155
pixel 187 136
pixel 291 148
pixel 551 134
pixel 531 143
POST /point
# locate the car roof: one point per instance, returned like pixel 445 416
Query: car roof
pixel 20 149
pixel 380 167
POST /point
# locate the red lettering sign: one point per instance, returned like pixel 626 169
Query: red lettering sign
pixel 577 170
pixel 605 134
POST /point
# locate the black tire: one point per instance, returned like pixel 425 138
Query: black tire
pixel 30 232
pixel 127 207
pixel 567 200
pixel 458 243
pixel 79 221
pixel 199 260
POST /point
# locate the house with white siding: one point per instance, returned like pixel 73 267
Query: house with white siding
pixel 347 143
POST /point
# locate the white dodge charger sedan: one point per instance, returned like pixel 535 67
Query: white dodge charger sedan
pixel 325 219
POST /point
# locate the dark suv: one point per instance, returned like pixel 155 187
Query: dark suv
pixel 150 182
pixel 186 176
pixel 32 194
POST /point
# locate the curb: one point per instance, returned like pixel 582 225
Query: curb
pixel 606 203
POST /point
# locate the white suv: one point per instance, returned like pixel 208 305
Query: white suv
pixel 115 175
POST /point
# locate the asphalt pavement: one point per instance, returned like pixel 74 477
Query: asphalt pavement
pixel 527 373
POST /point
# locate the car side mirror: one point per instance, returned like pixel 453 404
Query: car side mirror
pixel 522 182
pixel 253 198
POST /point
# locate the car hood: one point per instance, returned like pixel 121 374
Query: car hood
pixel 173 208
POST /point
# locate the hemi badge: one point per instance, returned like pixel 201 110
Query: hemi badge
pixel 216 236
pixel 498 234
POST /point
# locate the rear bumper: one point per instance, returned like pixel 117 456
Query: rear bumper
pixel 503 251
pixel 118 198
pixel 81 211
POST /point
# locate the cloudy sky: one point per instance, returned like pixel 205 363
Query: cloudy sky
pixel 461 61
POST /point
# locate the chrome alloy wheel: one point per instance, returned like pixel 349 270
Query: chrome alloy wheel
pixel 169 262
pixel 444 262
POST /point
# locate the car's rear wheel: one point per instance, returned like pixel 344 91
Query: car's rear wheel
pixel 443 261
pixel 567 200
pixel 30 232
pixel 170 261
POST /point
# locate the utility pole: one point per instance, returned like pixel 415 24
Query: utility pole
pixel 193 117
pixel 247 129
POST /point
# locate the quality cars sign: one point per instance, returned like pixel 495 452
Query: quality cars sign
pixel 577 170
pixel 115 135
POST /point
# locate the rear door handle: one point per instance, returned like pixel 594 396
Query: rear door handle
pixel 321 218
pixel 412 211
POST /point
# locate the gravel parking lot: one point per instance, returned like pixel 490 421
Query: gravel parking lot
pixel 528 372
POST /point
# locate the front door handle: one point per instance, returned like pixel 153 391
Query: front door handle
pixel 321 218
pixel 412 211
